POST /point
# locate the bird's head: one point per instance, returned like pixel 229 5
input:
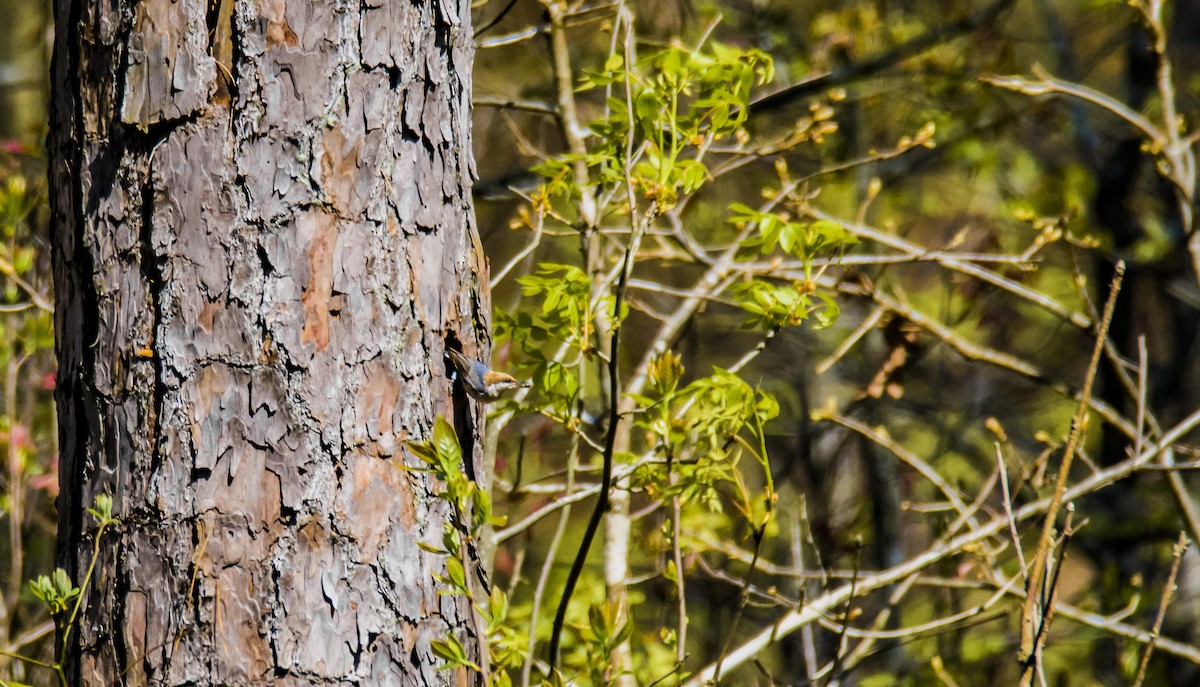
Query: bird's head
pixel 498 382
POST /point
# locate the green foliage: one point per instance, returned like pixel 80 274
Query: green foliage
pixel 773 305
pixel 442 456
pixel 704 430
pixel 599 637
pixel 805 240
pixel 703 447
pixel 668 108
pixel 62 599
pixel 567 312
pixel 56 591
pixel 27 425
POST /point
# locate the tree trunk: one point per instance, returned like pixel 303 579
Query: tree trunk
pixel 263 241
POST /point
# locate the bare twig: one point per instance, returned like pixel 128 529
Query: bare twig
pixel 548 565
pixel 1168 592
pixel 955 264
pixel 939 669
pixel 839 651
pixel 911 459
pixel 1012 522
pixel 743 597
pixel 1031 630
pixel 941 550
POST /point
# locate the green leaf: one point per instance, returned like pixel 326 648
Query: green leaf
pixel 451 650
pixel 456 573
pixel 426 546
pixel 827 315
pixel 449 453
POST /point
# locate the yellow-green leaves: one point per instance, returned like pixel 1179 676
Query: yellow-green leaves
pixel 566 309
pixel 442 455
pixel 772 304
pixel 665 371
pixel 704 429
pixel 56 591
pixel 776 303
pixel 801 239
pixel 679 101
pixel 453 653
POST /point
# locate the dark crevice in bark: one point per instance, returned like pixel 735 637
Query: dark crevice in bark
pixel 272 624
pixel 237 57
pixel 264 261
pixel 407 133
pixel 358 33
pixel 442 37
pixel 215 12
pixel 386 584
pixel 121 74
pixel 291 368
pixel 345 90
pixel 287 514
pixel 74 385
pixel 152 274
pixel 211 16
pixel 120 594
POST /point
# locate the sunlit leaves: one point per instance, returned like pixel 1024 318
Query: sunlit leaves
pixel 668 107
pixel 723 404
pixel 102 510
pixel 772 304
pixel 801 239
pixel 706 428
pixel 566 309
pixel 665 371
pixel 56 591
pixel 603 632
pixel 442 456
pixel 453 653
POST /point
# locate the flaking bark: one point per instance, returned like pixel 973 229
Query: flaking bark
pixel 262 241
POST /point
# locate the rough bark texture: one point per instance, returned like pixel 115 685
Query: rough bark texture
pixel 263 242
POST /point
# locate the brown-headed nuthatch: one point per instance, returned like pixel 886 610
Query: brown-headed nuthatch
pixel 480 381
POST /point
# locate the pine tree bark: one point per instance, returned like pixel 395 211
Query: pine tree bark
pixel 263 241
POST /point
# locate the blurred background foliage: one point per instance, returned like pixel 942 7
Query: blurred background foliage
pixel 28 433
pixel 941 363
pixel 920 350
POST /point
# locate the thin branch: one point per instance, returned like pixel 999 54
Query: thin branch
pixel 858 70
pixel 1168 592
pixel 1029 655
pixel 941 550
pixel 838 655
pixel 955 264
pixel 1045 84
pixel 977 352
pixel 743 597
pixel 843 348
pixel 911 459
pixel 495 20
pixel 560 502
pixel 1012 522
pixel 535 106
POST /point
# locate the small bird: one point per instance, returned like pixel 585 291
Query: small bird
pixel 481 382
